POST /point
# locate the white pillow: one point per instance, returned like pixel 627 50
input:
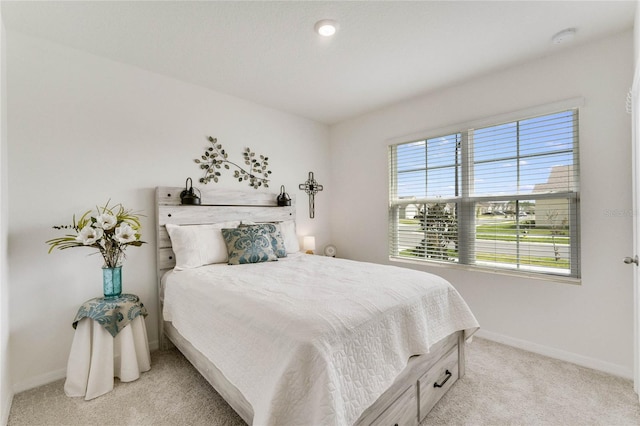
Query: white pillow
pixel 288 231
pixel 198 245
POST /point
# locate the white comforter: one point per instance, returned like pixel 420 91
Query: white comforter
pixel 312 340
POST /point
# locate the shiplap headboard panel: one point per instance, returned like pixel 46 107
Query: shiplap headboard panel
pixel 216 206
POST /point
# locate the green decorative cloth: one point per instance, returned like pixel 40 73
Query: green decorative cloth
pixel 112 314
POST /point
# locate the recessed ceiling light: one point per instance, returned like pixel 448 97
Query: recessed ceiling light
pixel 326 27
pixel 564 35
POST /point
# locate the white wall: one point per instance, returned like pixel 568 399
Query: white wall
pixel 82 130
pixel 6 392
pixel 591 323
pixel 636 143
pixel 636 33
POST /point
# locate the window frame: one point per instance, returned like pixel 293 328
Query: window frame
pixel 465 201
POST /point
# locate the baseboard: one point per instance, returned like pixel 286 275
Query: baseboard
pixel 596 364
pixel 5 408
pixel 52 376
pixel 40 380
pixel 154 345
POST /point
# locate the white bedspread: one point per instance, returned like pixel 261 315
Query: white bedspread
pixel 312 340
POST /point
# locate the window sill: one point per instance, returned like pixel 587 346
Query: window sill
pixel 489 270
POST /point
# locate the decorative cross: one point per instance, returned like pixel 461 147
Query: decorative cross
pixel 311 187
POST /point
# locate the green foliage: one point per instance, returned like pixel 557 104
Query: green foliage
pixel 215 158
pixel 110 231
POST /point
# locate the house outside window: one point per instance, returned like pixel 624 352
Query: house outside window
pixel 502 196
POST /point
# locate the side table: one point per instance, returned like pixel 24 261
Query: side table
pixel 110 341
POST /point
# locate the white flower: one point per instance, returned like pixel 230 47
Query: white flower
pixel 89 235
pixel 125 234
pixel 106 221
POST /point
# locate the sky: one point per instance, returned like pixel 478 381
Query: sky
pixel 508 158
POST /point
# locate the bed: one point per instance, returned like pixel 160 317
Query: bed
pixel 305 339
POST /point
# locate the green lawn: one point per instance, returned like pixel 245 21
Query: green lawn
pixel 508 231
pixel 503 258
pixel 524 260
pixel 523 238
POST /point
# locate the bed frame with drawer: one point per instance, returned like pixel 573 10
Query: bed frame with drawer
pixel 409 399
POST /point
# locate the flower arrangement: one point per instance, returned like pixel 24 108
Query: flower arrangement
pixel 111 231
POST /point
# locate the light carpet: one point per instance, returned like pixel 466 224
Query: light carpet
pixel 502 386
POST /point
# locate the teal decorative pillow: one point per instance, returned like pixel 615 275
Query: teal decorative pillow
pixel 248 245
pixel 277 241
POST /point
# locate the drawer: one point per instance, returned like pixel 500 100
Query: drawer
pixel 437 381
pixel 402 412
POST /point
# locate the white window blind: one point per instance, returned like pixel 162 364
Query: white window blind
pixel 504 196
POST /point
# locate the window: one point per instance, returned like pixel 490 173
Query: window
pixel 502 196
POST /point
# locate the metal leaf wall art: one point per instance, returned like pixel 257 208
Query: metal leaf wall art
pixel 215 158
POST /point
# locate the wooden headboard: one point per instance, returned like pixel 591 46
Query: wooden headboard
pixel 216 206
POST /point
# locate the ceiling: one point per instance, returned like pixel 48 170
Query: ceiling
pixel 267 52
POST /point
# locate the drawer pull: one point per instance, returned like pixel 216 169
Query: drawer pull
pixel 448 373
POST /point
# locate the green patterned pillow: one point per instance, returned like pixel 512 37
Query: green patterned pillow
pixel 248 245
pixel 277 241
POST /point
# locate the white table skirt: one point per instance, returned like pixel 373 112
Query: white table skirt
pixel 96 357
